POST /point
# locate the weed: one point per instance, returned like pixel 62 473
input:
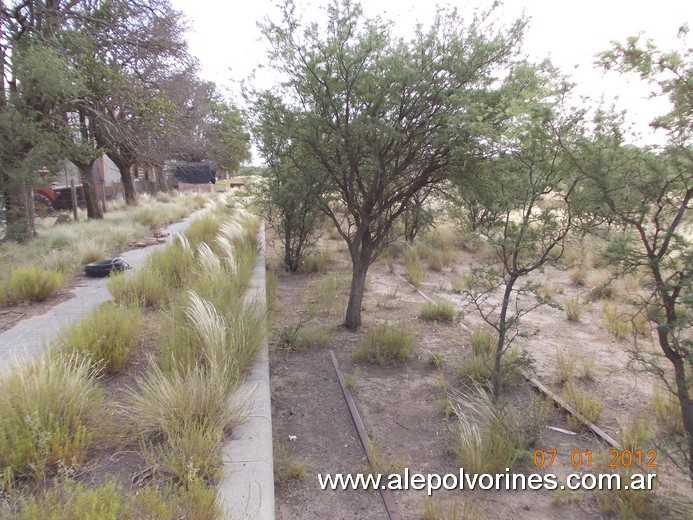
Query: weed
pixel 667 412
pixel 351 379
pixel 435 260
pixel 49 411
pixel 482 341
pixel 458 284
pixel 182 400
pixel 318 262
pixel 173 263
pixel 550 289
pixel 295 337
pixel 286 467
pixel 636 434
pixel 439 311
pixel 107 335
pixel 583 402
pixel 326 292
pixel 445 405
pixel 71 500
pixel 615 322
pixel 435 509
pixel 631 504
pixel 565 364
pixel 90 251
pixel 385 343
pixel 32 284
pixel 192 453
pixel 494 443
pixel 434 360
pixel 203 229
pixel 147 287
pixel 412 268
pixel 567 496
pixel 589 367
pixel 573 308
pixel 578 275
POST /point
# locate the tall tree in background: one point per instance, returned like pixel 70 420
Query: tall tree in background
pixel 382 118
pixel 35 80
pixel 648 192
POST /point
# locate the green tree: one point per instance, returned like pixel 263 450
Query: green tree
pixel 647 192
pixel 289 194
pixel 380 116
pixel 530 209
pixel 35 80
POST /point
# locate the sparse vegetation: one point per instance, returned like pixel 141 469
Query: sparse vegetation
pixel 412 268
pixel 489 438
pixel 565 363
pixel 317 262
pixel 385 343
pixel 439 311
pixel 286 467
pixel 573 308
pixel 586 404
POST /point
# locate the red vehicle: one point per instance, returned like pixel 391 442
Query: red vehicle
pixel 58 198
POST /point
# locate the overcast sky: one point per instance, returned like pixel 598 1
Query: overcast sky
pixel 225 38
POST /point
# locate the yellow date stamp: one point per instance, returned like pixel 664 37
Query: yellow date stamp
pixel 585 459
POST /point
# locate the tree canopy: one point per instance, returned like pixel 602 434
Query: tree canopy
pixel 379 116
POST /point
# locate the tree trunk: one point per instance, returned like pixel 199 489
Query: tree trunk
pixel 90 196
pixel 502 330
pixel 358 285
pixel 360 262
pixel 128 186
pixel 18 224
pixel 682 391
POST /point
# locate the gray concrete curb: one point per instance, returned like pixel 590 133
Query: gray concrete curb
pixel 246 489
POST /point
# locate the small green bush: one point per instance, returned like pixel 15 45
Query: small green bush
pixel 107 335
pixel 385 343
pixel 49 412
pixel 31 284
pixel 412 268
pixel 192 453
pixel 440 311
pixel 318 262
pixel 147 287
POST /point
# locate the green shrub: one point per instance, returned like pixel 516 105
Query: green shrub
pixel 586 404
pixel 385 343
pixel 318 262
pixel 147 287
pixel 70 500
pixel 192 453
pixel 412 268
pixel 489 439
pixel 31 284
pixel 573 308
pixel 483 342
pixel 440 311
pixel 173 263
pixel 202 229
pixel 49 411
pixel 179 401
pixel 107 335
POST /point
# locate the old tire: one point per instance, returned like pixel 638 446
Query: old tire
pixel 105 267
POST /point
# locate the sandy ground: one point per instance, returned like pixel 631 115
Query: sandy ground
pixel 398 404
